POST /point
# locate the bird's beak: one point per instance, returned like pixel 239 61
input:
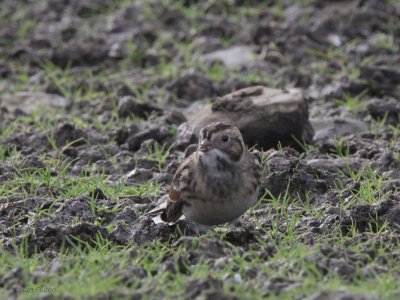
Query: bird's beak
pixel 206 145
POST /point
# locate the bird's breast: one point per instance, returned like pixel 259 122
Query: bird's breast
pixel 218 198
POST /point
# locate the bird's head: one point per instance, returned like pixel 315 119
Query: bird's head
pixel 222 138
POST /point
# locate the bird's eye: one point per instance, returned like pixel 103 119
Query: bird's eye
pixel 225 138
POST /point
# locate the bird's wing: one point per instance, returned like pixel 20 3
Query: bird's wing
pixel 157 210
pixel 170 211
pixel 173 212
pixel 181 178
pixel 167 212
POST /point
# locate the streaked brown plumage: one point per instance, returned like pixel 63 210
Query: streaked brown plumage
pixel 218 182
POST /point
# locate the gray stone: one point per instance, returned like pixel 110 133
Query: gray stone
pixel 264 116
pixel 28 102
pixel 233 56
pixel 336 127
pixel 139 175
pixel 128 105
pixel 342 295
pixel 334 210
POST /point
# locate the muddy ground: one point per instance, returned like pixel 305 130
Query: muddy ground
pixel 125 75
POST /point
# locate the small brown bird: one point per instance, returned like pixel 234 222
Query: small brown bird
pixel 217 183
